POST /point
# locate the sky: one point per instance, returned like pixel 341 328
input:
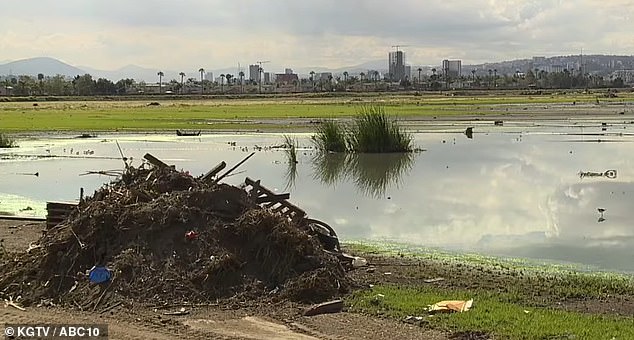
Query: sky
pixel 213 34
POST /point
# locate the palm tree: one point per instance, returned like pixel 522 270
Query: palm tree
pixel 222 81
pixel 419 72
pixel 202 83
pixel 490 76
pixel 40 77
pixel 495 78
pixel 473 72
pixel 229 77
pixel 312 79
pixel 362 76
pixel 160 74
pixel 241 74
pixel 345 79
pixel 182 74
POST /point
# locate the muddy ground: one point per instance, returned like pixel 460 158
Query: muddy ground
pixel 131 319
pixel 284 320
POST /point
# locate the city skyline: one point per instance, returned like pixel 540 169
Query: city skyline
pixel 159 34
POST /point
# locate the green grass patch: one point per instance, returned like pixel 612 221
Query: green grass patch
pixel 210 114
pixel 492 313
pixel 531 280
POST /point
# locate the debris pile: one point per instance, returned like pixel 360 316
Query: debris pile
pixel 167 237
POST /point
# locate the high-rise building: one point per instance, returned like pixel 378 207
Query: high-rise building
pixel 396 62
pixel 452 68
pixel 254 73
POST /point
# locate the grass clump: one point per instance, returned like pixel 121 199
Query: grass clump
pixel 290 150
pixel 6 141
pixel 290 144
pixel 372 131
pixel 331 136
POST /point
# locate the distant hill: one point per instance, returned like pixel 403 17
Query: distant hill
pixel 135 72
pixel 597 64
pixel 45 65
pixel 592 64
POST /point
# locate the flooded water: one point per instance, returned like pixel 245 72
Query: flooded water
pixel 558 191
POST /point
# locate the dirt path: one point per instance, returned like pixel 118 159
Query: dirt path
pixel 140 324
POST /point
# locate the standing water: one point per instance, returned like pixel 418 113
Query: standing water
pixel 558 192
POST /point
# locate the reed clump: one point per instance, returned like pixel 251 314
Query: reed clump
pixel 6 141
pixel 372 131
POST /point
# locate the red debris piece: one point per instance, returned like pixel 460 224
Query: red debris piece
pixel 191 235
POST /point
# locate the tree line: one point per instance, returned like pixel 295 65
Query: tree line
pixel 86 85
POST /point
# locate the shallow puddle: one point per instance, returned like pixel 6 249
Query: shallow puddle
pixel 558 191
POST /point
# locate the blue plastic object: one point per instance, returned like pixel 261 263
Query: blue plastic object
pixel 99 275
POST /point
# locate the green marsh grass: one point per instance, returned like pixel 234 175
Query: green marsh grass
pixel 492 313
pixel 6 141
pixel 373 131
pixel 330 137
pixel 237 113
pixel 290 150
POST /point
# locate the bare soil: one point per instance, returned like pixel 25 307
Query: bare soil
pixel 250 319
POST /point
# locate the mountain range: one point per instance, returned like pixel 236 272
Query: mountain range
pixel 51 66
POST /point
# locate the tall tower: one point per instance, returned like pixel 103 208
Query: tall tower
pixel 254 72
pixel 396 62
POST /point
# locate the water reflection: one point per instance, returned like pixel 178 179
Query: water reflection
pixel 511 191
pixel 372 173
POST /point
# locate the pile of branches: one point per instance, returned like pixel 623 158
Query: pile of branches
pixel 137 228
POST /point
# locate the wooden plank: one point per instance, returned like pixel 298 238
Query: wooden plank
pixel 272 205
pixel 155 161
pixel 61 205
pixel 334 306
pixel 21 218
pixel 215 170
pixel 272 198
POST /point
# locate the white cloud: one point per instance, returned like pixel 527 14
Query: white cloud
pixel 188 33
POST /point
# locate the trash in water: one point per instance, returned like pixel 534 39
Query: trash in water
pixel 469 132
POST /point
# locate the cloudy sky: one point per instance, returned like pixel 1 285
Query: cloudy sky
pixel 187 34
